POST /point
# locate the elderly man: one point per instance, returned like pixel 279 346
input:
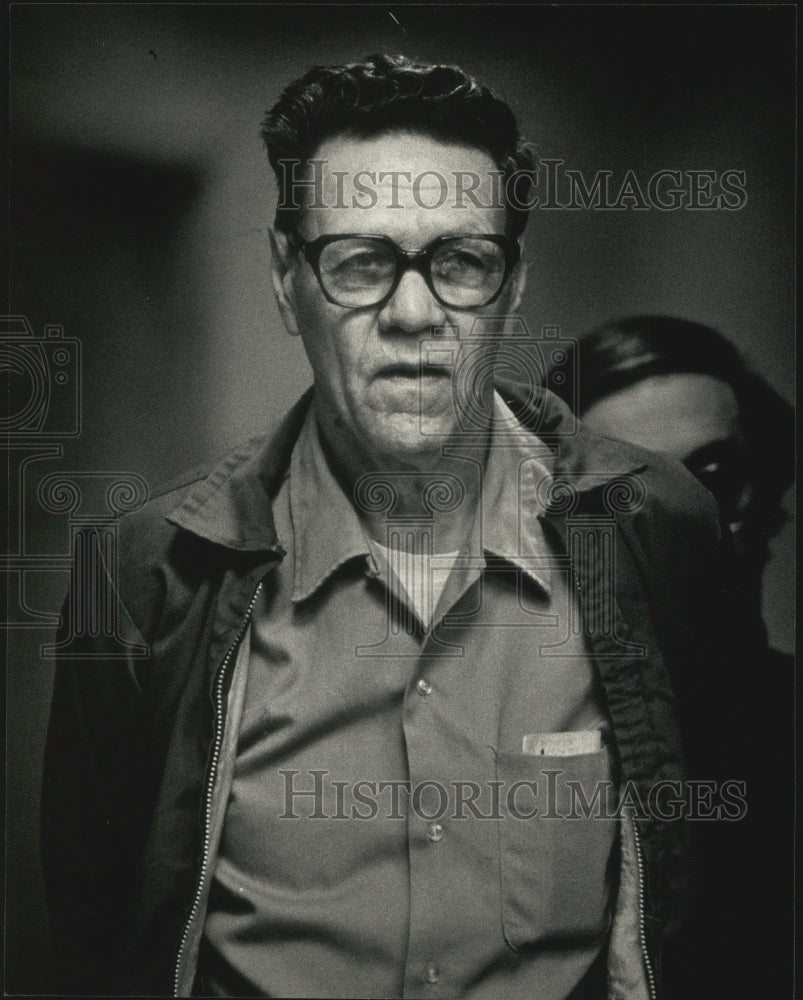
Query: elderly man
pixel 410 723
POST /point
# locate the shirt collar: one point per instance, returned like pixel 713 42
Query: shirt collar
pixel 326 530
pixel 231 506
pixel 507 526
pixel 517 474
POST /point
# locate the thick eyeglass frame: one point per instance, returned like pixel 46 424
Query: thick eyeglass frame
pixel 408 260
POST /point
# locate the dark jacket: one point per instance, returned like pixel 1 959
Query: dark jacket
pixel 136 720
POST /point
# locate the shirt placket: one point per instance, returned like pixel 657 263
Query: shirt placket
pixel 431 844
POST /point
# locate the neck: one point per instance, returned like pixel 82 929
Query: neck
pixel 432 492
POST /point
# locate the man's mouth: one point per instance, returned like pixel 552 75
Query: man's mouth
pixel 413 371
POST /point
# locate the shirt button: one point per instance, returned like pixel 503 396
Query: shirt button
pixel 432 973
pixel 435 832
pixel 423 687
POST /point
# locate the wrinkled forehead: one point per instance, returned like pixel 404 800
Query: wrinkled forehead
pixel 398 181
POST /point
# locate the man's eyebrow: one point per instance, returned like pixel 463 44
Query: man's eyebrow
pixel 455 233
pixel 469 228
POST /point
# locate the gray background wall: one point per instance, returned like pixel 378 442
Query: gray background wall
pixel 141 199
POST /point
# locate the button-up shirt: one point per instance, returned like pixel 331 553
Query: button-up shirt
pixel 386 835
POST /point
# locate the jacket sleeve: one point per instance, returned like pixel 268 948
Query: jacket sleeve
pixel 95 794
pixel 719 706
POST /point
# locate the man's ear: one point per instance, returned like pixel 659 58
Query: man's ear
pixel 281 270
pixel 518 282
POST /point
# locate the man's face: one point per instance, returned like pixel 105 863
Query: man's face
pixel 370 394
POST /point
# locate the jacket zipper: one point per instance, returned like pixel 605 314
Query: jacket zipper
pixel 642 915
pixel 210 780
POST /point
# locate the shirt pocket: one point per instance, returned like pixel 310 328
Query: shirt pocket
pixel 557 867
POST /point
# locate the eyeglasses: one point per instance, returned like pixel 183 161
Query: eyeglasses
pixel 464 272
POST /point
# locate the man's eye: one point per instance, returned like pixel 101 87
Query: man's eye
pixel 456 260
pixel 461 267
pixel 468 262
pixel 363 259
pixel 365 265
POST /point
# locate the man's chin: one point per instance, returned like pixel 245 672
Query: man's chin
pixel 409 436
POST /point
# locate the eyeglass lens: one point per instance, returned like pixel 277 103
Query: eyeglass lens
pixel 360 271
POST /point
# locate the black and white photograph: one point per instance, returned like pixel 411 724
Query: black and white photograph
pixel 400 538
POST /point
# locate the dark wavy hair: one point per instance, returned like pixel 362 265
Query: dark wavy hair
pixel 387 93
pixel 625 351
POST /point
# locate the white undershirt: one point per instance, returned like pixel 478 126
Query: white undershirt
pixel 422 575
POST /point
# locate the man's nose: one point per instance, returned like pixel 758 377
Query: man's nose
pixel 412 308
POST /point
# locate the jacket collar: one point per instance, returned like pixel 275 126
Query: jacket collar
pixel 232 505
pixel 582 458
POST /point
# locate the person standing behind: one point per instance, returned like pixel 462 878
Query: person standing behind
pixel 680 388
